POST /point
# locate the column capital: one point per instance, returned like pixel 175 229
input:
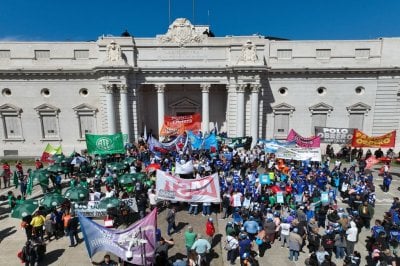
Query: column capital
pixel 123 88
pixel 205 87
pixel 255 88
pixel 160 88
pixel 109 88
pixel 241 88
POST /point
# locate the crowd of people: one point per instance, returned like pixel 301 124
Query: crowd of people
pixel 295 207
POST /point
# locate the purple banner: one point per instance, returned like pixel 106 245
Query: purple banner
pixel 139 239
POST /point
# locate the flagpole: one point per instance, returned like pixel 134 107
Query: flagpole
pixel 169 12
pixel 142 248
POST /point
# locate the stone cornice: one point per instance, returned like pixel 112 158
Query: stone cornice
pixel 333 71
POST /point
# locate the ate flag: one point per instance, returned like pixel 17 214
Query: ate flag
pixel 105 144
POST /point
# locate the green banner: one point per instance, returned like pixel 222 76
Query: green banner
pixel 105 144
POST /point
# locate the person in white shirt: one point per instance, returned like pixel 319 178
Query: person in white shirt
pixel 285 231
pixel 152 199
pixel 237 199
pixel 351 237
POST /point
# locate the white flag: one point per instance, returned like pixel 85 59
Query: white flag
pixel 185 168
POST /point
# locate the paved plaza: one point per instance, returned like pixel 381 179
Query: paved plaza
pixel 12 237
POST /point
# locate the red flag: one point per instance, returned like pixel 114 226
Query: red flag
pixel 371 161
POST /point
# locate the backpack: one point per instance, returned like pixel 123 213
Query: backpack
pixel 395 218
pixel 328 243
pixel 394 235
pixel 377 231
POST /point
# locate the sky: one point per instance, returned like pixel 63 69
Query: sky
pixel 86 20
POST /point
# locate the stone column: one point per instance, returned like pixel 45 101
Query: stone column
pixel 109 88
pixel 205 114
pixel 124 111
pixel 255 89
pixel 160 103
pixel 240 109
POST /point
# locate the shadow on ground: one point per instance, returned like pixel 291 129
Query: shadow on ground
pixel 7 232
pixel 52 256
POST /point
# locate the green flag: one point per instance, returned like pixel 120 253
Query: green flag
pixel 15 181
pixel 29 185
pixel 105 144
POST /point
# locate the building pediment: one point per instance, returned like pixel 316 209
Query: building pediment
pixel 84 107
pixel 321 107
pixel 47 108
pixel 185 103
pixel 182 32
pixel 358 107
pixel 283 108
pixel 10 108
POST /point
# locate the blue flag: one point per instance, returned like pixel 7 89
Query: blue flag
pixel 195 141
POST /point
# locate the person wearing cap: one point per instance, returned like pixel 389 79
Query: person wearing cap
pixel 232 247
pixel 285 231
pixel 295 241
pixel 210 229
pixel 245 244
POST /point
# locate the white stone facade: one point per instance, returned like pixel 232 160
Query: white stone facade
pixel 54 92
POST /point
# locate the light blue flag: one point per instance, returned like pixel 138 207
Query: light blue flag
pixel 195 141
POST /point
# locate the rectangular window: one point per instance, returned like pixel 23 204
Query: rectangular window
pixel 356 121
pixel 281 128
pixel 42 54
pixel 49 127
pixel 318 120
pixel 5 54
pixel 81 54
pixel 362 53
pixel 323 53
pixel 12 127
pixel 86 125
pixel 284 53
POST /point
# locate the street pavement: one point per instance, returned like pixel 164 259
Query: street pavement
pixel 12 237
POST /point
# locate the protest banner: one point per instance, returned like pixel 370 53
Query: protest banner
pixel 299 154
pixel 362 140
pixel 91 208
pixel 334 135
pixel 271 146
pixel 311 142
pixel 105 144
pixel 138 240
pixel 173 188
pixel 177 125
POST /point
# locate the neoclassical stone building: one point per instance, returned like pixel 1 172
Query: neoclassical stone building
pixel 55 92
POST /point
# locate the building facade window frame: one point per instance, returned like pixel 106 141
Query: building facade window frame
pixel 358 109
pixel 10 112
pixel 49 114
pixel 319 109
pixel 285 111
pixel 85 111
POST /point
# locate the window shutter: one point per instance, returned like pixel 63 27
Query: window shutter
pixel 13 127
pixel 86 125
pixel 356 121
pixel 50 126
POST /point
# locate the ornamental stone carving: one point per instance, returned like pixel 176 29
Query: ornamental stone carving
pixel 182 32
pixel 249 53
pixel 114 53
